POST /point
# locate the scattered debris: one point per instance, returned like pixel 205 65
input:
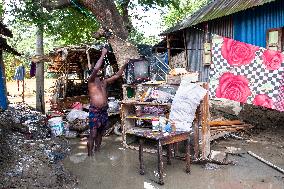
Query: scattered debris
pixel 266 162
pixel 218 156
pixel 28 156
pixel 233 150
pixel 212 166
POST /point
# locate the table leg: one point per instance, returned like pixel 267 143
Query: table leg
pixel 169 154
pixel 141 161
pixel 160 163
pixel 187 156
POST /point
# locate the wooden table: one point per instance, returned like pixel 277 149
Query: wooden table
pixel 162 139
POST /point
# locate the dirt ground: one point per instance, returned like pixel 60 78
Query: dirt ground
pixel 14 96
pixel 117 167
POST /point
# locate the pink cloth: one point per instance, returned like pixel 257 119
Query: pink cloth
pixel 247 74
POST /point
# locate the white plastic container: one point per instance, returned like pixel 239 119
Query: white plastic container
pixel 56 126
pixel 155 124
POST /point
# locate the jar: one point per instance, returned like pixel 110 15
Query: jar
pixel 113 105
pixel 163 123
pixel 138 110
pixel 155 124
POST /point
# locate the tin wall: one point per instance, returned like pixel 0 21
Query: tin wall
pixel 250 26
pixel 195 37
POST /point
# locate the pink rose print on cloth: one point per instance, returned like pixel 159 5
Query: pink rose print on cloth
pixel 233 87
pixel 238 53
pixel 272 59
pixel 263 100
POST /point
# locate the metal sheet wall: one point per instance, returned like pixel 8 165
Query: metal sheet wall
pixel 195 37
pixel 250 26
pixel 195 40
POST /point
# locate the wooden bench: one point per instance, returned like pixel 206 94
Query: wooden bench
pixel 162 139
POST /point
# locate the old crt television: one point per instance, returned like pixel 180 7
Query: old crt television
pixel 137 71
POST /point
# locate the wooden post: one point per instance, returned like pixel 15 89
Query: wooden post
pixel 40 104
pixel 185 46
pixel 169 50
pixel 205 125
pixel 141 160
pixel 66 77
pixel 196 133
pixel 187 156
pixel 160 163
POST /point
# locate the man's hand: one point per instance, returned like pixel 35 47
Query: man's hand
pixel 104 51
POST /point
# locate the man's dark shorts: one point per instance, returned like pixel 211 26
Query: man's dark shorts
pixel 98 117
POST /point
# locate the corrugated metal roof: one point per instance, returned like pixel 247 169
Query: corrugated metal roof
pixel 216 9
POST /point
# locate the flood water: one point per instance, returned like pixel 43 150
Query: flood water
pixel 115 167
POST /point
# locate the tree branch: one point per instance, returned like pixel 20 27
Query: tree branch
pixel 55 4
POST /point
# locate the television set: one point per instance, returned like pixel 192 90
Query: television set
pixel 137 71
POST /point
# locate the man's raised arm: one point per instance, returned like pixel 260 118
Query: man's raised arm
pixel 117 75
pixel 98 65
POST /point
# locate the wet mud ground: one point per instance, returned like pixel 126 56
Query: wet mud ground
pixel 117 167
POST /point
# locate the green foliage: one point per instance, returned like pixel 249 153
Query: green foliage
pixel 24 41
pixel 161 3
pixel 136 38
pixel 185 9
pixel 69 26
pixel 1 9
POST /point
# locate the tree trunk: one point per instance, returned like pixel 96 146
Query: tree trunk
pixel 40 104
pixel 109 17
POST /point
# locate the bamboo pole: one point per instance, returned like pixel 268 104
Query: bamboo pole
pixel 226 122
pixel 266 162
pixel 205 126
pixel 169 51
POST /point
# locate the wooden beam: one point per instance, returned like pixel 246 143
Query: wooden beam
pixel 225 122
pixel 205 126
pixel 169 51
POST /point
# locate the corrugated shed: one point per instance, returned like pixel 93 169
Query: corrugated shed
pixel 250 26
pixel 195 39
pixel 217 9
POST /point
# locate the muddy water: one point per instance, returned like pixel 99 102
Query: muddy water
pixel 116 167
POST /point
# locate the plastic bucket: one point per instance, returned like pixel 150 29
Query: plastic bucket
pixel 56 126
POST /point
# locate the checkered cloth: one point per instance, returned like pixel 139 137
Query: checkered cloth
pixel 261 80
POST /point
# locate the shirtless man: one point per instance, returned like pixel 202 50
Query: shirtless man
pixel 98 115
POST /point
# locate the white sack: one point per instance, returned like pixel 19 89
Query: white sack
pixel 77 114
pixel 185 103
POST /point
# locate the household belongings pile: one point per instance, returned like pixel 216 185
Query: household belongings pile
pixel 75 120
pixel 183 105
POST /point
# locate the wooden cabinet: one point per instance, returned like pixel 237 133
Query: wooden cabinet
pixel 129 120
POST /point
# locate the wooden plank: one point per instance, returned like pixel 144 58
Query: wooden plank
pixel 205 126
pixel 134 102
pixel 232 126
pixel 196 133
pixel 225 122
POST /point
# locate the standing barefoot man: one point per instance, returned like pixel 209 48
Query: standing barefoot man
pixel 98 115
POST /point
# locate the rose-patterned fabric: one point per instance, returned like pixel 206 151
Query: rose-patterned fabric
pixel 247 73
